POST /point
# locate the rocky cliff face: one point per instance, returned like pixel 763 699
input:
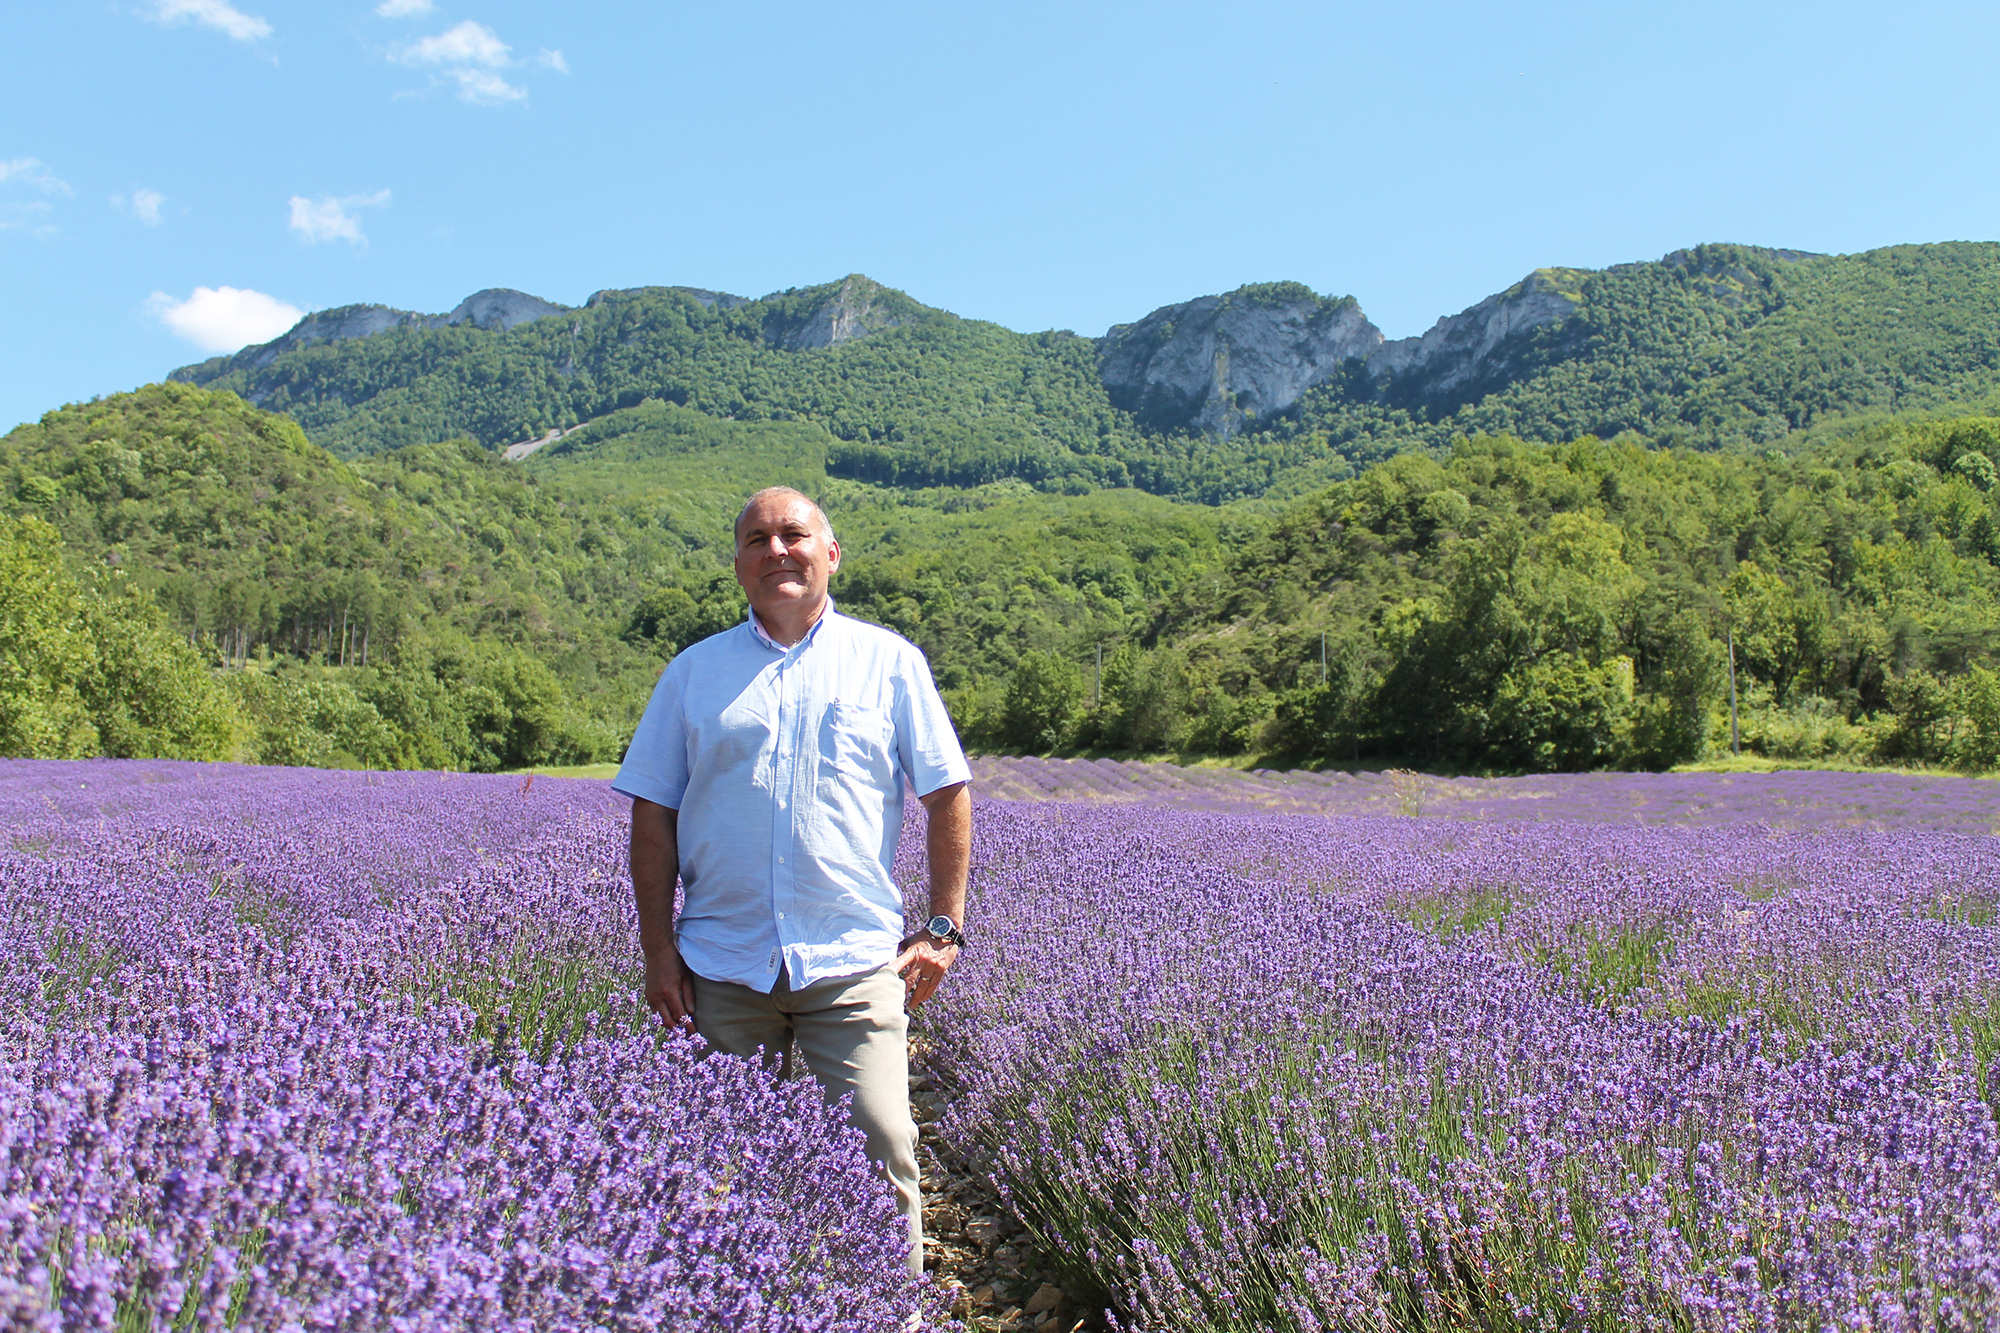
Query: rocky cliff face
pixel 500 309
pixel 1463 353
pixel 496 309
pixel 805 318
pixel 1216 362
pixel 852 308
pixel 1221 362
pixel 321 326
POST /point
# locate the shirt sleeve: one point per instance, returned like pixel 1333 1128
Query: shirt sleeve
pixel 926 744
pixel 656 762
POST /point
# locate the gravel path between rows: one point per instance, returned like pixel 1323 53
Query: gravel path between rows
pixel 1001 1281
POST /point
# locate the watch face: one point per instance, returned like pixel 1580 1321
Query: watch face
pixel 941 926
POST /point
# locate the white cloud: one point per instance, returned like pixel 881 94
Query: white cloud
pixel 486 88
pixel 30 172
pixel 467 44
pixel 469 57
pixel 329 219
pixel 220 15
pixel 403 9
pixel 142 204
pixel 31 217
pixel 222 319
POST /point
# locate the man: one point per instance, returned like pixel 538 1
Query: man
pixel 767 775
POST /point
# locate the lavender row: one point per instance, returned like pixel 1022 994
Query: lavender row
pixel 1267 1072
pixel 1782 799
pixel 331 1051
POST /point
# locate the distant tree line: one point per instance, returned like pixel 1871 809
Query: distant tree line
pixel 1518 606
pixel 1509 605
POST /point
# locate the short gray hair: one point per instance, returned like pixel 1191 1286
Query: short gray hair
pixel 774 492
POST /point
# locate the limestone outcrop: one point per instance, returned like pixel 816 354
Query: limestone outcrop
pixel 495 309
pixel 1217 362
pixel 1474 347
pixel 500 309
pixel 857 307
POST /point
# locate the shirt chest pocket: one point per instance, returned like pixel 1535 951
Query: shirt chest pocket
pixel 857 745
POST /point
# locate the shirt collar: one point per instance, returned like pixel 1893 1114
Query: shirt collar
pixel 757 629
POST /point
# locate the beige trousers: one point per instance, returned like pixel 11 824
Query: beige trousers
pixel 854 1036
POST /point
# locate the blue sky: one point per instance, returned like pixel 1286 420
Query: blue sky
pixel 177 175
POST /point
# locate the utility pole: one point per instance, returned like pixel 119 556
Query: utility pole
pixel 1735 737
pixel 1097 681
pixel 1322 657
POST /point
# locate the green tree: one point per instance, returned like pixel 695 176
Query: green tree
pixel 87 671
pixel 1044 700
pixel 1689 672
pixel 151 696
pixel 1781 632
pixel 482 707
pixel 1559 714
pixel 45 649
pixel 687 611
pixel 1333 720
pixel 1979 701
pixel 308 719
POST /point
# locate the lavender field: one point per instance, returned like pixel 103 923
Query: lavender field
pixel 288 1049
pixel 1264 1051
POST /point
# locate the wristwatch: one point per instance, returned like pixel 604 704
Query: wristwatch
pixel 945 931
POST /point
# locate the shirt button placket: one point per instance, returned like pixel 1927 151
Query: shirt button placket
pixel 800 695
pixel 781 831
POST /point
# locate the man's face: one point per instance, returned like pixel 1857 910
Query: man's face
pixel 783 556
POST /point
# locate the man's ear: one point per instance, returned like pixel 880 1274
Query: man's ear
pixel 832 555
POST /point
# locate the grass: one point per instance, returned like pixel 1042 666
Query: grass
pixel 604 771
pixel 1754 763
pixel 1454 915
pixel 1744 763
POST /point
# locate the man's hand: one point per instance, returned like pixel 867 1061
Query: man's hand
pixel 669 987
pixel 922 962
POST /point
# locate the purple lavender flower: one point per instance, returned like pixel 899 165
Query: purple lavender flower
pixel 1248 1071
pixel 288 1049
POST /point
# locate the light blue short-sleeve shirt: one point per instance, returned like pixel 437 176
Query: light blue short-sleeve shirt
pixel 787 766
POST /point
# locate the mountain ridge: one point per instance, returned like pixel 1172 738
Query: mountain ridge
pixel 853 310
pixel 495 309
pixel 1214 398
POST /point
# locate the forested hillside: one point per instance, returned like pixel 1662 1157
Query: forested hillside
pixel 1711 346
pixel 1511 605
pixel 931 398
pixel 1716 345
pixel 1560 607
pixel 88 666
pixel 435 605
pixel 438 562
